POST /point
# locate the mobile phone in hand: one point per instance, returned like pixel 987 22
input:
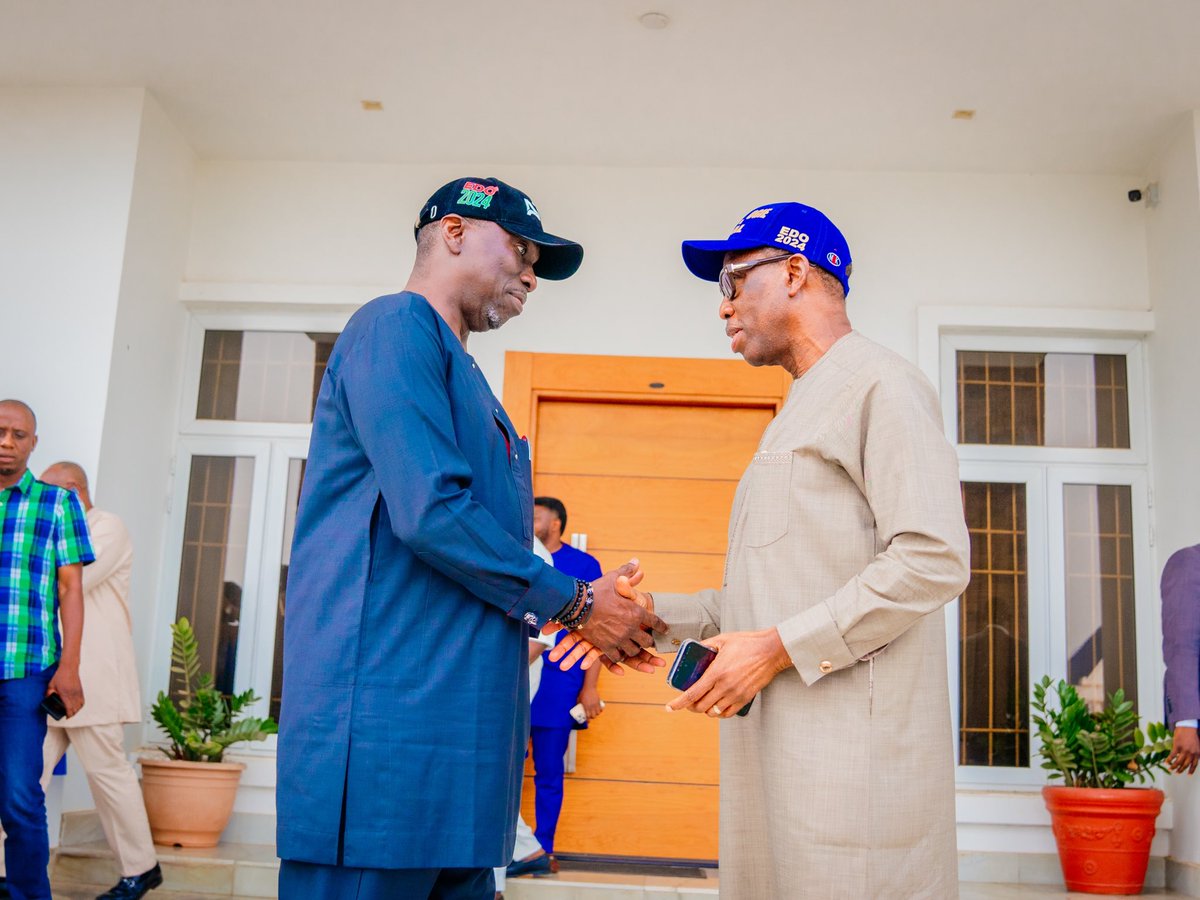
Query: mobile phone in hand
pixel 53 706
pixel 690 663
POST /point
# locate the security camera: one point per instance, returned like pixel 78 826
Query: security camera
pixel 1149 192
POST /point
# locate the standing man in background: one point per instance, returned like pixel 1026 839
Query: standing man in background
pixel 108 672
pixel 550 719
pixel 1181 653
pixel 44 545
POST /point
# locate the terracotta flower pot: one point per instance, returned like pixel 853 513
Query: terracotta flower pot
pixel 188 803
pixel 1103 836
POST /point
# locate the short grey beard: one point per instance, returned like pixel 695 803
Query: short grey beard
pixel 493 318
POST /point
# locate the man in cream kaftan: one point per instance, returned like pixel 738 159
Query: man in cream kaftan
pixel 845 540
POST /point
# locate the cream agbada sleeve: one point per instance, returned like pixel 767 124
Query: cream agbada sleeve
pixel 896 453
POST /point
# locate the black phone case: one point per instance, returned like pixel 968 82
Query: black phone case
pixel 52 705
pixel 695 675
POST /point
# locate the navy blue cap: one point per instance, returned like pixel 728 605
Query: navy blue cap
pixel 493 200
pixel 788 226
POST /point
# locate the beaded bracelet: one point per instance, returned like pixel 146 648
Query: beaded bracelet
pixel 580 617
pixel 576 613
pixel 571 610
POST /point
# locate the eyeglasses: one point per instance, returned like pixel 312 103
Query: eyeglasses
pixel 725 279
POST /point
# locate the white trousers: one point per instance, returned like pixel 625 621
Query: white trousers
pixel 115 790
pixel 527 845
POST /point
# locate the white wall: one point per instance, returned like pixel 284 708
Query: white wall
pixel 1173 239
pixel 146 351
pixel 66 172
pixel 916 238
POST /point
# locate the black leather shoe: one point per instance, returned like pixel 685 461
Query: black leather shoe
pixel 134 886
pixel 539 867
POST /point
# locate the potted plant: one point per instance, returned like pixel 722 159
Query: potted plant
pixel 1102 825
pixel 189 794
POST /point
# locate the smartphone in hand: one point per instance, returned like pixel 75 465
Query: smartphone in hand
pixel 53 706
pixel 690 662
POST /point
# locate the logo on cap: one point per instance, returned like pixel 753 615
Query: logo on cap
pixel 531 210
pixel 792 237
pixel 758 214
pixel 834 259
pixel 477 195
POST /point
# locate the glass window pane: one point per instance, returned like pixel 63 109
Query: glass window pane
pixel 213 567
pixel 292 503
pixel 262 376
pixel 1101 625
pixel 994 630
pixel 1042 399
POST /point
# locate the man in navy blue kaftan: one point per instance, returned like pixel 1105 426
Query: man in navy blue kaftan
pixel 412 586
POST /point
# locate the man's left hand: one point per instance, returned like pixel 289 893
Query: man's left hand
pixel 590 698
pixel 746 663
pixel 66 684
pixel 1185 751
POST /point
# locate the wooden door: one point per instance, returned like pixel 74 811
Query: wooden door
pixel 646 455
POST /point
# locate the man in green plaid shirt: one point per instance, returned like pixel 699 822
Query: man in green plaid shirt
pixel 44 545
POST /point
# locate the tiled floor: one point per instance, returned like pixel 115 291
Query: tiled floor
pixel 652 888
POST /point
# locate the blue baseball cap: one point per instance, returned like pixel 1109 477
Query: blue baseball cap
pixel 788 226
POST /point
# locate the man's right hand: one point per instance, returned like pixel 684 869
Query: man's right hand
pixel 576 646
pixel 616 627
pixel 1185 751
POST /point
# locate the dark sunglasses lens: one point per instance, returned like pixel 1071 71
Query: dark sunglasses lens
pixel 726 283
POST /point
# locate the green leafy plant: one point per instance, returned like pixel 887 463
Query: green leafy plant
pixel 203 722
pixel 1105 749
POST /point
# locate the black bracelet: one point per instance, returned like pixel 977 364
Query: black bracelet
pixel 573 607
pixel 584 612
pixel 587 610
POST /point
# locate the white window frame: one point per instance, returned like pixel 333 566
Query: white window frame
pixel 272 445
pixel 1131 349
pixel 942 331
pixel 1147 620
pixel 189 447
pixel 1037 580
pixel 201 322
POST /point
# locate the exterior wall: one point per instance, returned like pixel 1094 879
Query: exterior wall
pixel 1011 240
pixel 92 248
pixel 1173 238
pixel 139 434
pixel 66 172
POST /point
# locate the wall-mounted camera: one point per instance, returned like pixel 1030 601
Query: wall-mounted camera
pixel 1149 193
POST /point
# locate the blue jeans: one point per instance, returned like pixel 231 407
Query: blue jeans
pixel 549 746
pixel 22 803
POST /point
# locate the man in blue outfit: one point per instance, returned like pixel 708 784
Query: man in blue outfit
pixel 412 588
pixel 550 718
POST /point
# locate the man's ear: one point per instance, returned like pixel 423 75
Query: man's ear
pixel 453 227
pixel 797 273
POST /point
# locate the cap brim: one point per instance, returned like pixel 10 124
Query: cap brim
pixel 558 258
pixel 705 258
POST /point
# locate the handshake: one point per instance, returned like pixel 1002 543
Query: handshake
pixel 620 629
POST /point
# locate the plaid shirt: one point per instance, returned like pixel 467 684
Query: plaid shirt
pixel 41 528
